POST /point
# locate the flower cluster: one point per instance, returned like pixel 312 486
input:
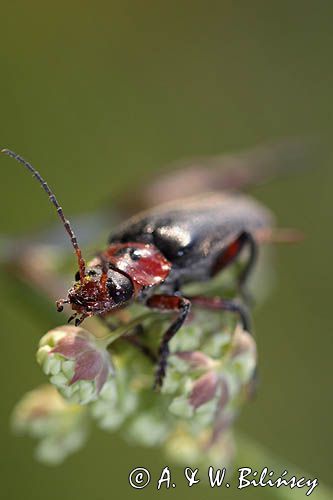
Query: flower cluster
pixel 59 427
pixel 210 374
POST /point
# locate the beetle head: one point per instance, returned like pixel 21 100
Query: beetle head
pixel 98 293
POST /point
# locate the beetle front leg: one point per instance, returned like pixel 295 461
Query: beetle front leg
pixel 168 303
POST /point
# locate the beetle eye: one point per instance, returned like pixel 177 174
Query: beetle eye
pixel 77 276
pixel 115 293
pixel 120 288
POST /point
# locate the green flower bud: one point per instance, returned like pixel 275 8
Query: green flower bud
pixel 199 449
pixel 116 402
pixel 59 426
pixel 148 429
pixel 76 363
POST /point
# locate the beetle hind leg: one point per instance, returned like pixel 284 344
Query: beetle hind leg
pixel 219 304
pixel 231 252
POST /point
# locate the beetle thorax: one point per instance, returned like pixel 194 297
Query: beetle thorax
pixel 143 263
pixel 116 277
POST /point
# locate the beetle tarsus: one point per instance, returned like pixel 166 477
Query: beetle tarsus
pixel 70 319
pixel 60 304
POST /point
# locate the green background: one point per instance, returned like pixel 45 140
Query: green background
pixel 98 93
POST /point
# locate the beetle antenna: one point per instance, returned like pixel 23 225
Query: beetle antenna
pixel 53 199
pixel 104 277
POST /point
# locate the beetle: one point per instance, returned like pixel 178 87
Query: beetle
pixel 152 255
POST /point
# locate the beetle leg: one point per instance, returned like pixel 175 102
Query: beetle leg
pixel 219 304
pixel 249 241
pixel 168 303
pixel 229 254
pixel 134 339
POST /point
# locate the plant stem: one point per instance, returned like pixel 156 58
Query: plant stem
pixel 121 330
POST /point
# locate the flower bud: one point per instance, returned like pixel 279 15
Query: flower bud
pixel 185 448
pixel 204 389
pixel 116 402
pixel 198 385
pixel 243 355
pixel 75 362
pixel 195 359
pixel 59 426
pixel 148 429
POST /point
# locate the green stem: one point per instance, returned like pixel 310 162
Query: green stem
pixel 104 342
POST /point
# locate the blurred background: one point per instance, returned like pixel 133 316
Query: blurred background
pixel 99 95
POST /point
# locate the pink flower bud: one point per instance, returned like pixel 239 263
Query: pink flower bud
pixel 195 359
pixel 204 389
pixel 75 361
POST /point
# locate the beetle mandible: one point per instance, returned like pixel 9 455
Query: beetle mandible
pixel 153 254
